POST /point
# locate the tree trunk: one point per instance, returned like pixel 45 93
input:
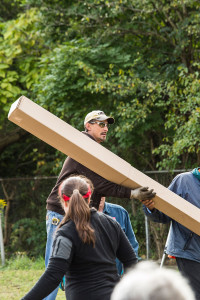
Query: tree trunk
pixel 133 207
pixel 11 138
pixel 159 232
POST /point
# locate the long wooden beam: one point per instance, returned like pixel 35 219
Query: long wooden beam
pixel 62 136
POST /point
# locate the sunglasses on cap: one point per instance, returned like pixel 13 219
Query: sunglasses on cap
pixel 101 124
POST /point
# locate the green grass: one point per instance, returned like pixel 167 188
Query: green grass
pixel 19 275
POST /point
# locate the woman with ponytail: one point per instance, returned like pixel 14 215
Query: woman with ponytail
pixel 77 209
pixel 85 247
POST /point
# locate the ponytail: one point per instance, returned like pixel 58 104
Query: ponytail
pixel 78 208
pixel 79 212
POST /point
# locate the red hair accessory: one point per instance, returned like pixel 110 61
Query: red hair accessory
pixel 88 192
pixel 66 198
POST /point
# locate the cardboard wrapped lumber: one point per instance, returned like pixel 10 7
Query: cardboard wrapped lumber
pixel 65 138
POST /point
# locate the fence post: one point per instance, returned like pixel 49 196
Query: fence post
pixel 2 245
pixel 147 237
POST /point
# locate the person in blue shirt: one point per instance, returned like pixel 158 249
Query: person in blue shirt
pixel 121 215
pixel 183 244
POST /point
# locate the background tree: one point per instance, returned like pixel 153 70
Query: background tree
pixel 138 60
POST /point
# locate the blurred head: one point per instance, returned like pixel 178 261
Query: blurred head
pixel 149 282
pixel 96 124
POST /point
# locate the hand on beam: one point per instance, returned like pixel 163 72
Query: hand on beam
pixel 142 193
pixel 149 204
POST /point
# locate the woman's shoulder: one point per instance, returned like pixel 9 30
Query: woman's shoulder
pixel 67 227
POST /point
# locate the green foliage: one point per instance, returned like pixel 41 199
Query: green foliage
pixel 29 236
pixel 137 60
pixel 114 55
pixel 81 73
pixel 21 47
pixel 9 9
pixel 22 262
pixel 138 224
pixel 183 120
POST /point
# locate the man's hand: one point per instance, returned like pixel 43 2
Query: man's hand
pixel 149 204
pixel 142 193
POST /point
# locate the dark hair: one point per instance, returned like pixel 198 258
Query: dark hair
pixel 78 210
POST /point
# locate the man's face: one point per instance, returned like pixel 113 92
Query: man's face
pixel 101 204
pixel 97 132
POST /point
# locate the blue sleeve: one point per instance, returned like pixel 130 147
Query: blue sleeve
pixel 156 215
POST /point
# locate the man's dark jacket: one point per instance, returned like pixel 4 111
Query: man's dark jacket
pixel 102 187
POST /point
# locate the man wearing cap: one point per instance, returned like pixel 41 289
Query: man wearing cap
pixel 96 127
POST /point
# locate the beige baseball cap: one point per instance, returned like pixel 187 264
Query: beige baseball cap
pixel 98 115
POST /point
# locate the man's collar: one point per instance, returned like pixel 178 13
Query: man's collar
pixel 196 172
pixel 106 208
pixel 86 133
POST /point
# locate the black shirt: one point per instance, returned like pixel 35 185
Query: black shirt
pixel 102 186
pixel 91 272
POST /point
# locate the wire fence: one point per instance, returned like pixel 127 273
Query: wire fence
pixel 26 210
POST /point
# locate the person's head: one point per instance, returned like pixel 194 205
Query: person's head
pixel 75 193
pixel 149 282
pixel 96 124
pixel 102 204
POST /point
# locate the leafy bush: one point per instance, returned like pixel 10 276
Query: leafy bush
pixel 28 236
pixel 21 261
